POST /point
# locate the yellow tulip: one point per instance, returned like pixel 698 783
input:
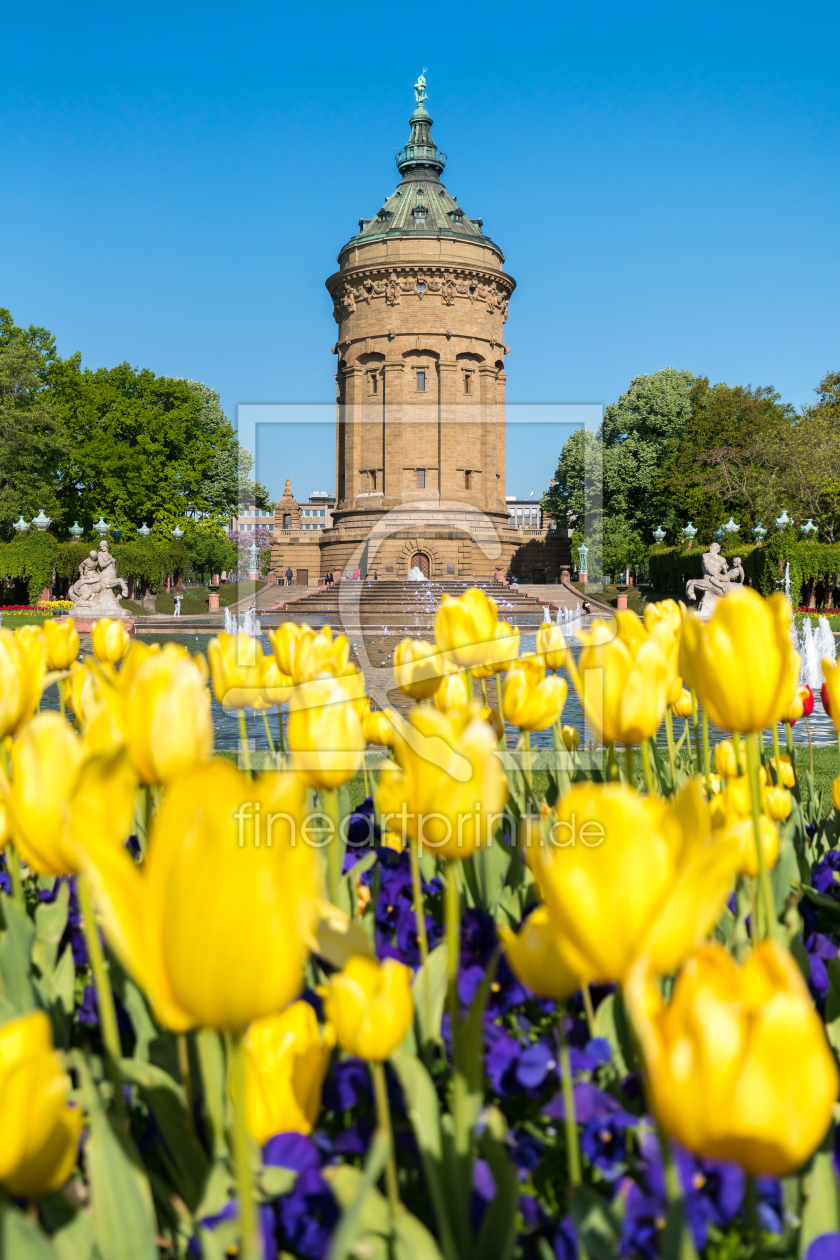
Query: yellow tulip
pixel 683 706
pixel 316 654
pixel 325 734
pixel 725 763
pixel 740 661
pixel 377 727
pixel 465 629
pixel 370 1006
pixel 236 670
pixel 835 793
pixel 450 785
pixel 742 833
pixel 623 875
pixel 284 641
pixel 571 738
pixel 784 770
pixel 22 674
pixel 286 1059
pixel 504 653
pixel 533 955
pixel 624 678
pixel 215 925
pixel 167 716
pixel 530 700
pixel 110 640
pixel 62 643
pixel 776 803
pixel 551 646
pixel 738 1066
pixel 667 610
pixel 796 707
pixel 40 1131
pixel 418 668
pixel 493 720
pixel 62 798
pixel 276 688
pixel 453 695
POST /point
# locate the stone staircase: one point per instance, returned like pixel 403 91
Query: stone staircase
pixel 390 604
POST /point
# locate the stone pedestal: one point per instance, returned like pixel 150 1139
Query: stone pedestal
pixel 84 625
pixel 621 601
pixel 213 602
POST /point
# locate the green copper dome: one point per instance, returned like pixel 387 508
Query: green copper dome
pixel 420 203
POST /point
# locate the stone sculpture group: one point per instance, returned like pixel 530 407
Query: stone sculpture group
pixel 717 580
pixel 93 591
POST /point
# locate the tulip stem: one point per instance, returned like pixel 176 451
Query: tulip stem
pixel 612 765
pixel 184 1069
pixel 243 742
pixel 810 742
pixel 587 1006
pixel 104 993
pixel 526 758
pixel 13 867
pixel 681 1246
pixel 484 693
pixel 669 733
pixel 572 1139
pixel 268 732
pixel 365 776
pixel 739 761
pixel 696 730
pixel 335 853
pixel 707 768
pixel 646 762
pixel 241 1150
pixel 383 1120
pixel 420 920
pixel 765 892
pixel 453 945
pixel 629 764
pixel 281 733
pixel 791 752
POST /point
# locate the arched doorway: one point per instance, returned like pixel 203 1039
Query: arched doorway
pixel 420 561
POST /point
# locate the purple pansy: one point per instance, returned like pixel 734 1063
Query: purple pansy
pixel 825 1247
pixel 604 1142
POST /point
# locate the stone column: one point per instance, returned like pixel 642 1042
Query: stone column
pixel 352 418
pixel 487 444
pixel 448 429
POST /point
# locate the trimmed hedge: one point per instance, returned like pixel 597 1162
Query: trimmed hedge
pixel 811 563
pixel 37 558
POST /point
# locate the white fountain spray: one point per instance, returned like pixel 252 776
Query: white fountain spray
pixel 249 625
pixel 812 645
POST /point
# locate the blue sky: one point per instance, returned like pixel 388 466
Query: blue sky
pixel 663 179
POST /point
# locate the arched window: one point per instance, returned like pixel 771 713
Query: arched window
pixel 287 521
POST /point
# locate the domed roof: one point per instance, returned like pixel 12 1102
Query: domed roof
pixel 421 203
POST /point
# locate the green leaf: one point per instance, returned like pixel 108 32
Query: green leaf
pixel 123 1216
pixel 424 1113
pixel 498 1229
pixel 821 1210
pixel 15 952
pixel 145 1031
pixel 165 1098
pixel 784 873
pixel 75 1240
pixel 275 1181
pixel 596 1227
pixel 489 869
pixel 20 1239
pixel 612 1024
pixel 429 1010
pixel 832 1003
pixel 412 1241
pixel 364 1209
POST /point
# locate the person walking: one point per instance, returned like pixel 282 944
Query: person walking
pixel 178 599
pixel 289 576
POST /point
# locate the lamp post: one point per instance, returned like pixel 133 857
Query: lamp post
pixel 583 573
pixel 758 532
pixel 689 533
pixel 253 554
pixel 21 526
pixel 809 528
pixel 659 534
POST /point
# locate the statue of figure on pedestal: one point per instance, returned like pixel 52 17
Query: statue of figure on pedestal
pixel 717 580
pixel 93 591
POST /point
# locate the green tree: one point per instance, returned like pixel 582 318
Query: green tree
pixel 139 448
pixel 32 444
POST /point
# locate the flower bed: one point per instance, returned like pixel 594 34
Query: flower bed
pixel 457 1018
